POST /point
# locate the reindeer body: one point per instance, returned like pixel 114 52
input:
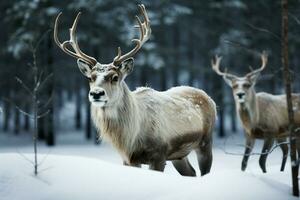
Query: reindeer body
pixel 145 126
pixel 263 116
pixel 267 119
pixel 267 115
pixel 150 127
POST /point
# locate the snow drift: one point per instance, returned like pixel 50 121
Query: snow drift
pixel 72 178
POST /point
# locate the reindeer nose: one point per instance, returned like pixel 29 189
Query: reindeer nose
pixel 240 95
pixel 97 94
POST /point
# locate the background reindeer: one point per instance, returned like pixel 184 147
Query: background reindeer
pixel 146 126
pixel 264 116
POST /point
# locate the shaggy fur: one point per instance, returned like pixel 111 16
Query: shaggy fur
pixel 264 116
pixel 150 127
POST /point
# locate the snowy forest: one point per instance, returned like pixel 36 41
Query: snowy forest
pixel 53 146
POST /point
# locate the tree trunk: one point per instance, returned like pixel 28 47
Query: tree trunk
pixel 233 118
pixel 218 87
pixel 7 115
pixel 288 90
pixel 144 74
pixel 41 128
pixel 88 128
pixel 78 105
pixel 190 56
pixel 17 122
pixel 221 121
pixel 50 140
pixel 26 118
pixel 163 80
pixel 176 56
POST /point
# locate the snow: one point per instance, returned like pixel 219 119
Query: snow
pixel 80 170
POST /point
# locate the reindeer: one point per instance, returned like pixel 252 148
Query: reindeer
pixel 263 115
pixel 145 126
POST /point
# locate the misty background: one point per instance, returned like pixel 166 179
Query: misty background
pixel 185 37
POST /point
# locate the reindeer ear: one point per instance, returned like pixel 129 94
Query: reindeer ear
pixel 127 66
pixel 253 77
pixel 228 80
pixel 84 68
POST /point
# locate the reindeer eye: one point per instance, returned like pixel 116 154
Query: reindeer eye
pixel 247 85
pixel 115 78
pixel 234 86
pixel 93 77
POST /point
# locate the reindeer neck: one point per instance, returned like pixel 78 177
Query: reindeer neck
pixel 117 123
pixel 248 111
pixel 123 106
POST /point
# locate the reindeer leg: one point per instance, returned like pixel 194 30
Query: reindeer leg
pixel 158 165
pixel 204 154
pixel 249 146
pixel 132 165
pixel 268 143
pixel 285 151
pixel 184 167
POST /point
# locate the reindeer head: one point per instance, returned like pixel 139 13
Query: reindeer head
pixel 106 80
pixel 242 87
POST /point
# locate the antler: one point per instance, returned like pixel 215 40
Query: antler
pixel 264 60
pixel 76 53
pixel 145 32
pixel 216 67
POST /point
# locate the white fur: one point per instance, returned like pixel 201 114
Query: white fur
pixel 173 116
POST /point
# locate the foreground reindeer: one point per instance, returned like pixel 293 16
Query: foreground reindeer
pixel 264 116
pixel 146 126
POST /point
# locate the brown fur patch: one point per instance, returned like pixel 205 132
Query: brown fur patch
pixel 150 151
pixel 178 145
pixel 258 133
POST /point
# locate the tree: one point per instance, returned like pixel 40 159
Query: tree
pixel 38 110
pixel 288 91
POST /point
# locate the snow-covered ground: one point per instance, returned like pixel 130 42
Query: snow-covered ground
pixel 77 169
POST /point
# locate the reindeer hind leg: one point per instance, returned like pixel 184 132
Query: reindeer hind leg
pixel 184 167
pixel 204 154
pixel 285 150
pixel 268 143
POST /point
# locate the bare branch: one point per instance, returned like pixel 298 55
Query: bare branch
pixel 23 156
pixel 40 84
pixel 295 18
pixel 35 47
pixel 43 114
pixel 264 30
pixel 45 105
pixel 224 149
pixel 24 85
pixel 242 46
pixel 39 80
pixel 44 158
pixel 18 108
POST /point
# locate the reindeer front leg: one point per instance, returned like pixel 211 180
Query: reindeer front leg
pixel 158 165
pixel 249 146
pixel 132 165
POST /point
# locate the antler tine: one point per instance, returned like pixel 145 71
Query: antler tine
pixel 216 67
pixel 91 60
pixel 145 32
pixel 140 26
pixel 59 44
pixel 144 13
pixel 55 30
pixel 77 53
pixel 264 61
